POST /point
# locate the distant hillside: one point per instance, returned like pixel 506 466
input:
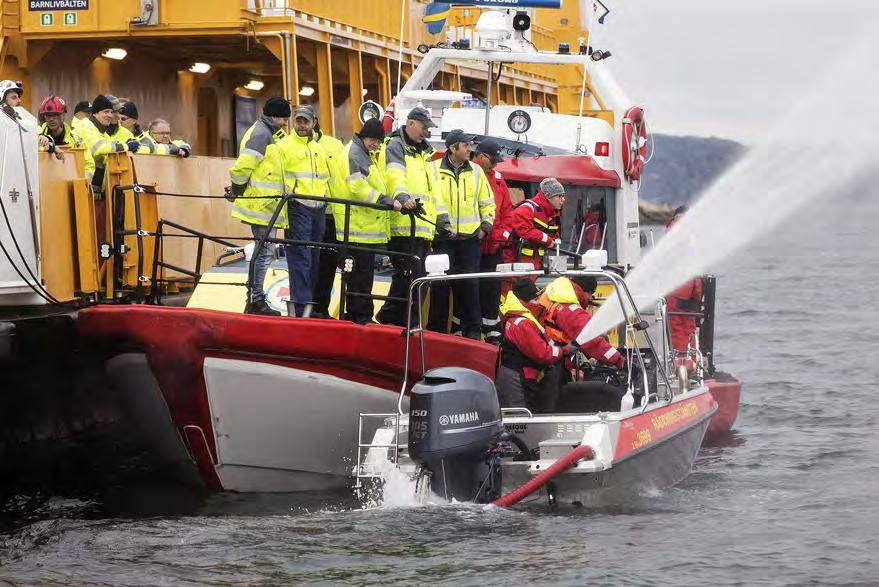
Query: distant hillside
pixel 684 166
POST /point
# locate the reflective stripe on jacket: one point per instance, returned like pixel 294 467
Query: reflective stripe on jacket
pixel 502 228
pixel 266 180
pixel 97 142
pixel 333 149
pixel 408 169
pixel 358 178
pixel 305 168
pixel 70 141
pixel 252 151
pixel 536 224
pixel 467 197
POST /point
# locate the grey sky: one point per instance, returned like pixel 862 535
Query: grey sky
pixel 724 67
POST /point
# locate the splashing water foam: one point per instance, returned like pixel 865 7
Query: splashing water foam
pixel 828 141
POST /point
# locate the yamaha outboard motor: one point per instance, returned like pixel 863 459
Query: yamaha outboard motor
pixel 454 426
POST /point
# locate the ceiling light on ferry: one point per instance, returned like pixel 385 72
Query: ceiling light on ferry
pixel 254 85
pixel 115 53
pixel 306 91
pixel 199 68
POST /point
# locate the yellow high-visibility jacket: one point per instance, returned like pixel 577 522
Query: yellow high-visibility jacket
pixel 70 141
pixel 252 151
pixel 259 171
pixel 358 178
pixel 467 197
pixel 408 171
pixel 305 168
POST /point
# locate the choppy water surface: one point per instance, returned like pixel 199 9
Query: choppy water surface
pixel 789 500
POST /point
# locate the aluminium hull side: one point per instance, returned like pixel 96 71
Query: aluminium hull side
pixel 259 404
pixel 634 452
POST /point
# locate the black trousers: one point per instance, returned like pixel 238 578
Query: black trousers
pixel 326 270
pixel 464 257
pixel 490 298
pixel 358 308
pixel 405 270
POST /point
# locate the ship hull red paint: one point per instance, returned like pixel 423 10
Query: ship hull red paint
pixel 727 395
pixel 176 342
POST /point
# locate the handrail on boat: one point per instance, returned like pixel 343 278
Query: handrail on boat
pixel 415 298
pixel 120 232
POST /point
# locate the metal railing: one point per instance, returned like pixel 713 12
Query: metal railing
pixel 416 297
pixel 155 281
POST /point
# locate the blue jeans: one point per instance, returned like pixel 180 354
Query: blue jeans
pixel 263 261
pixel 306 224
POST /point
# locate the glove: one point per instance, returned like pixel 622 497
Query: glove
pixel 132 146
pixel 228 194
pixel 621 363
pixel 173 149
pixel 572 349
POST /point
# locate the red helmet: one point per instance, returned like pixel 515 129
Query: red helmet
pixel 53 105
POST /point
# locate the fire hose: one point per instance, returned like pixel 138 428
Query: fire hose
pixel 560 466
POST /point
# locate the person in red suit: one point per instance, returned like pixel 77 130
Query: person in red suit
pixel 526 349
pixel 686 298
pixel 488 155
pixel 536 222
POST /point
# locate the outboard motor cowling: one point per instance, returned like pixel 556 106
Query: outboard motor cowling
pixel 454 423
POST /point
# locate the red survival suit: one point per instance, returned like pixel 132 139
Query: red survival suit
pixel 503 215
pixel 526 350
pixel 564 320
pixel 536 224
pixel 686 298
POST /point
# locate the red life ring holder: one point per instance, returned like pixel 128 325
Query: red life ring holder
pixel 388 118
pixel 634 151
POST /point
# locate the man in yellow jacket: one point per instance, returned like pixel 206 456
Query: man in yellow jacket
pixel 411 179
pixel 305 174
pixel 358 179
pixel 259 171
pixel 97 133
pixel 326 271
pixel 468 198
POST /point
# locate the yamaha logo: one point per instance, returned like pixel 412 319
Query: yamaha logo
pixel 464 418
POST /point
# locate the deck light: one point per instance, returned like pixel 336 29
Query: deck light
pixel 564 49
pixel 115 53
pixel 306 91
pixel 602 149
pixel 599 55
pixel 199 68
pixel 254 85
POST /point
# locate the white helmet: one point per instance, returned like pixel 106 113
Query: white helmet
pixel 8 85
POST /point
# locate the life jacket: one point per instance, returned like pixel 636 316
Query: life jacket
pixel 512 309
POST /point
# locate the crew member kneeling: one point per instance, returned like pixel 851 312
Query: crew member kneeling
pixel 526 350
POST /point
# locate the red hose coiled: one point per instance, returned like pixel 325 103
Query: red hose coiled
pixel 566 462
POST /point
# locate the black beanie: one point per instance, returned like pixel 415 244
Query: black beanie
pixel 372 129
pixel 525 289
pixel 129 109
pixel 101 102
pixel 83 107
pixel 277 107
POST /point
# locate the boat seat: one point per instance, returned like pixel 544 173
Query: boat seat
pixel 588 397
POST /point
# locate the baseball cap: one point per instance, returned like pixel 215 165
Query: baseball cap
pixel 491 148
pixel 421 115
pixel 458 136
pixel 304 111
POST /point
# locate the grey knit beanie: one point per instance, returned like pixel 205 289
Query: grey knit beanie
pixel 551 187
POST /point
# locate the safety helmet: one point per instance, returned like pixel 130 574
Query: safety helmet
pixel 53 105
pixel 8 85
